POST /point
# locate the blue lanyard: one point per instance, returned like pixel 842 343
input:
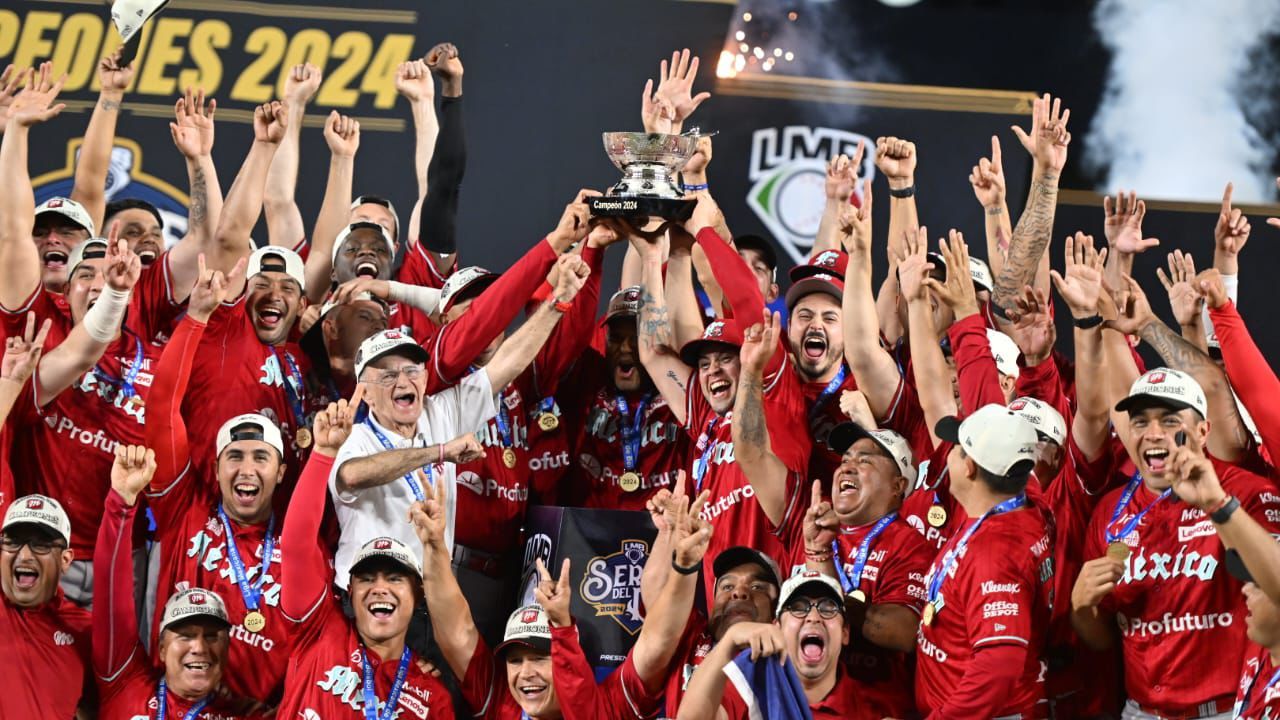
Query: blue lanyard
pixel 252 592
pixel 371 692
pixel 825 396
pixel 851 581
pixel 129 376
pixel 631 434
pixel 503 421
pixel 162 703
pixel 547 405
pixel 707 445
pixel 408 477
pixel 953 555
pixel 1244 704
pixel 1125 497
pixel 292 386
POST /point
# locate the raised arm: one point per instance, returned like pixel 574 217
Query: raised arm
pixel 1047 144
pixel 115 622
pixel 936 399
pixel 658 354
pixel 90 188
pixel 435 224
pixel 284 220
pixel 896 159
pixel 1080 288
pixel 1256 383
pixel 451 623
pixel 21 355
pixel 1185 299
pixel 976 372
pixel 842 175
pixel 751 447
pixel 18 255
pixel 988 181
pixel 244 199
pixel 369 471
pixel 519 350
pixel 415 84
pixel 674 95
pixel 342 135
pixel 1230 234
pixel 193 132
pixel 706 688
pixel 682 302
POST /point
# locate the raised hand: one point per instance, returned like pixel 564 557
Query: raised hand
pixel 353 288
pixel 1047 143
pixel 1122 224
pixel 1082 284
pixel 1096 580
pixel 1033 330
pixel 690 533
pixel 301 84
pixel 759 343
pixel 342 134
pixel 210 289
pixel 855 223
pixel 1232 229
pixel 132 471
pixel 706 214
pixel 842 175
pixel 113 75
pixel 657 506
pixel 553 595
pixel 820 523
pixel 1180 283
pixel 463 449
pixel 10 81
pixel 1212 287
pixel 896 160
pixel 430 517
pixel 22 352
pixel 571 278
pixel 575 221
pixel 332 426
pixel 675 86
pixel 914 265
pixel 854 405
pixel 987 178
pixel 124 267
pixel 701 158
pixel 192 129
pixel 443 60
pixel 414 81
pixel 1133 307
pixel 34 103
pixel 957 291
pixel 1194 479
pixel 269 122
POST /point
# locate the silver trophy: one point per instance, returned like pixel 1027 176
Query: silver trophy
pixel 649 187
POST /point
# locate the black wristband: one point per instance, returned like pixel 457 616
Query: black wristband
pixel 1086 323
pixel 1223 514
pixel 684 570
pixel 906 192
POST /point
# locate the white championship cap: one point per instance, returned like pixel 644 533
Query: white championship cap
pixel 69 209
pixel 277 259
pixel 1043 417
pixel 527 626
pixel 809 580
pixel 1165 387
pixel 250 426
pixel 91 248
pixel 363 225
pixel 997 438
pixel 1005 351
pixel 981 274
pixel 461 280
pixel 390 549
pixel 388 342
pixel 39 510
pixel 196 602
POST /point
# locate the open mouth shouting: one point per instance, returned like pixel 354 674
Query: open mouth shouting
pixel 55 259
pixel 719 389
pixel 246 491
pixel 366 268
pixel 25 577
pixel 626 369
pixel 1155 459
pixel 532 692
pixel 381 609
pixel 813 647
pixel 405 400
pixel 271 315
pixel 814 345
pixel 147 253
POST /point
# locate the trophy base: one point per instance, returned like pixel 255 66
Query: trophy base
pixel 638 207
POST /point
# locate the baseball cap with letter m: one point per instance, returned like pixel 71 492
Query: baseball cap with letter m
pixel 39 510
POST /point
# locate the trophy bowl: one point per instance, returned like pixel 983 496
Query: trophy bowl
pixel 648 188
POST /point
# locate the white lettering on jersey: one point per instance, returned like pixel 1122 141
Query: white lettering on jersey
pixel 112 395
pixel 253 640
pixel 213 558
pixel 999 608
pixel 1204 528
pixel 61 638
pixel 713 510
pixel 930 650
pixel 1169 623
pixel 1163 566
pixel 93 438
pixel 549 462
pixel 345 684
pixel 990 586
pixel 271 374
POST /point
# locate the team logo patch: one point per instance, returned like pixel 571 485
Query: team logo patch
pixel 611 584
pixel 1017 405
pixel 197 599
pixel 714 330
pixel 35 504
pixel 788 167
pixel 826 259
pixel 1156 378
pixel 529 616
pixel 381 544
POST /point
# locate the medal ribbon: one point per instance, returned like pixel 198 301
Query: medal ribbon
pixel 251 592
pixel 952 556
pixel 546 406
pixel 408 477
pixel 827 392
pixel 1243 705
pixel 293 388
pixel 128 377
pixel 1125 497
pixel 631 431
pixel 162 704
pixel 851 581
pixel 371 692
pixel 503 421
pixel 707 445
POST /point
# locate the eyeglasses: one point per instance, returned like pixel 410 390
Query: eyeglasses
pixel 38 547
pixel 827 608
pixel 388 378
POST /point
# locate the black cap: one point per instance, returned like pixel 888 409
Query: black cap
pixel 730 558
pixel 760 245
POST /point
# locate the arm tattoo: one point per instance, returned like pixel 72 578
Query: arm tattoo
pixel 1030 237
pixel 199 209
pixel 750 417
pixel 109 105
pixel 671 374
pixel 655 327
pixel 997 210
pixel 1180 354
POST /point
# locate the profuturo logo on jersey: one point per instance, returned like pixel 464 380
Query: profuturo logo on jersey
pixel 611 584
pixel 789 172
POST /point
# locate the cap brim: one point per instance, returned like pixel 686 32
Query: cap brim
pixel 414 352
pixel 542 645
pixel 196 616
pixel 1143 401
pixel 693 350
pixel 45 528
pixel 843 436
pixel 809 286
pixel 761 246
pixel 730 558
pixel 470 290
pixel 948 429
pixel 388 559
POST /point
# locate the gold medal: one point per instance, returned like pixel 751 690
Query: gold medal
pixel 548 422
pixel 254 621
pixel 303 437
pixel 937 516
pixel 509 457
pixel 927 616
pixel 858 596
pixel 1117 550
pixel 629 481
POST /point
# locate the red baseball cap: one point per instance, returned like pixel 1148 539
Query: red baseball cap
pixel 719 334
pixel 827 262
pixel 822 282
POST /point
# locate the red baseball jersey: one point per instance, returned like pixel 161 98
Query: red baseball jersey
pixel 1258 697
pixel 46 651
pixel 599 465
pixel 734 513
pixel 194 553
pixel 894 575
pixel 997 592
pixel 132 695
pixel 822 417
pixel 411 321
pixel 695 644
pixel 326 673
pixel 1176 605
pixel 419 268
pixel 846 701
pixel 905 416
pixel 65 449
pixel 550 452
pixel 934 491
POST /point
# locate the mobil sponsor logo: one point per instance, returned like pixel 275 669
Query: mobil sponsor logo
pixel 1170 623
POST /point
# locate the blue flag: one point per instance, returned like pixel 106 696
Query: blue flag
pixel 771 689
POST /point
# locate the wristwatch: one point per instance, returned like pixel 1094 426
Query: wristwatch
pixel 1224 511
